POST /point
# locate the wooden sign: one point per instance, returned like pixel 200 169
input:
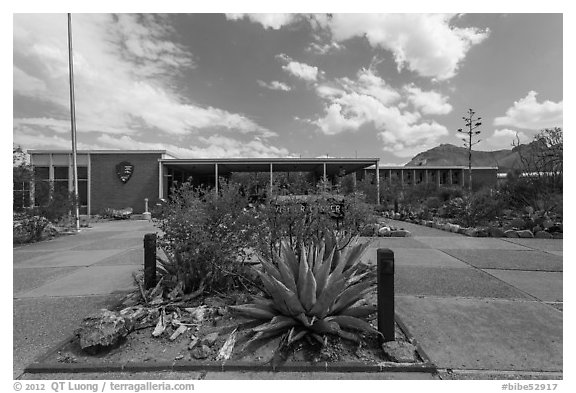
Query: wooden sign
pixel 124 171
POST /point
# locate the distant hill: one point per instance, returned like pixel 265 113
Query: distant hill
pixel 449 155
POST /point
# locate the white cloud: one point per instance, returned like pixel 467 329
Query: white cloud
pixel 301 70
pixel 424 43
pixel 504 138
pixel 268 21
pixel 274 85
pixel 369 100
pixel 428 102
pixel 125 67
pixel 528 113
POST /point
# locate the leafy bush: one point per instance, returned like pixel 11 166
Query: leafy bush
pixel 206 237
pixel 315 292
pixel 477 209
pixel 28 228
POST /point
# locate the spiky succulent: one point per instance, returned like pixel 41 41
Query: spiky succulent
pixel 316 293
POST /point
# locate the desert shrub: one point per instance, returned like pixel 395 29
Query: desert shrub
pixel 27 228
pixel 57 208
pixel 432 203
pixel 206 237
pixel 479 208
pixel 447 193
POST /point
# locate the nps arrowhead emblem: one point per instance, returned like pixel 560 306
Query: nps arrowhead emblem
pixel 124 171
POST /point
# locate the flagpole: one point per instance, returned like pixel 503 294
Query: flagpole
pixel 73 123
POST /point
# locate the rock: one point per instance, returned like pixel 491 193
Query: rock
pixel 400 351
pixel 193 341
pixel 496 232
pixel 209 339
pixel 201 352
pixel 536 229
pixel 179 357
pixel 462 230
pixel 511 233
pixel 543 235
pixel 181 329
pixel 472 232
pixel 555 228
pixel 454 228
pixel 103 330
pixel 430 224
pixel 547 224
pixel 384 232
pixel 525 234
pixel 400 233
pixel 557 235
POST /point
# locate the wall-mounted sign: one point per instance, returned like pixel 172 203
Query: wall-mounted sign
pixel 124 171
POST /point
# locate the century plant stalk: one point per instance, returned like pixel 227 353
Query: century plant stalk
pixel 472 124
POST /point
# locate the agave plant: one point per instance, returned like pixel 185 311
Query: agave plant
pixel 314 293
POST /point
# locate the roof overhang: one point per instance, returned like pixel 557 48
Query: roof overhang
pixel 228 165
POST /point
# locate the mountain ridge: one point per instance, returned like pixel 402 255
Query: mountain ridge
pixel 449 155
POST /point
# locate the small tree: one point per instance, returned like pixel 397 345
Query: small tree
pixel 471 131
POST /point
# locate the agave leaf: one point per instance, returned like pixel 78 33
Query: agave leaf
pixel 307 292
pixel 359 311
pixel 318 256
pixel 326 299
pixel 278 323
pixel 351 295
pixel 287 254
pixel 348 322
pixel 253 311
pixel 269 268
pixel 304 319
pixel 303 266
pixel 355 254
pixel 276 293
pixel 323 273
pixel 295 335
pixel 323 326
pixel 289 298
pixel 318 338
pixel 286 274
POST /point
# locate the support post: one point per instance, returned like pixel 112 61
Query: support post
pixel 402 177
pixel 450 180
pixel 438 174
pixel 385 275
pixel 378 182
pixel 414 177
pixel 271 179
pixel 216 177
pixel 463 178
pixel 149 260
pixel 426 175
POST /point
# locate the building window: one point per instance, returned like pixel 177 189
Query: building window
pixel 21 195
pixel 41 186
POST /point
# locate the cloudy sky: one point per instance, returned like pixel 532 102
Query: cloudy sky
pixel 278 85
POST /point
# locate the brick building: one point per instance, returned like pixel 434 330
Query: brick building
pixel 119 179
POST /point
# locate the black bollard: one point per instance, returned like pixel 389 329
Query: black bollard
pixel 149 260
pixel 385 263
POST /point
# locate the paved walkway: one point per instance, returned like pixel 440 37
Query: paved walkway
pixel 58 282
pixel 480 303
pixel 481 308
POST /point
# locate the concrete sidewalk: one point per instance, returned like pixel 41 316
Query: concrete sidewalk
pixel 60 281
pixel 487 304
pixel 481 308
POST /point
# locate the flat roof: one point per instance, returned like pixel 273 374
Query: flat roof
pixel 228 165
pixel 430 167
pixel 63 151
